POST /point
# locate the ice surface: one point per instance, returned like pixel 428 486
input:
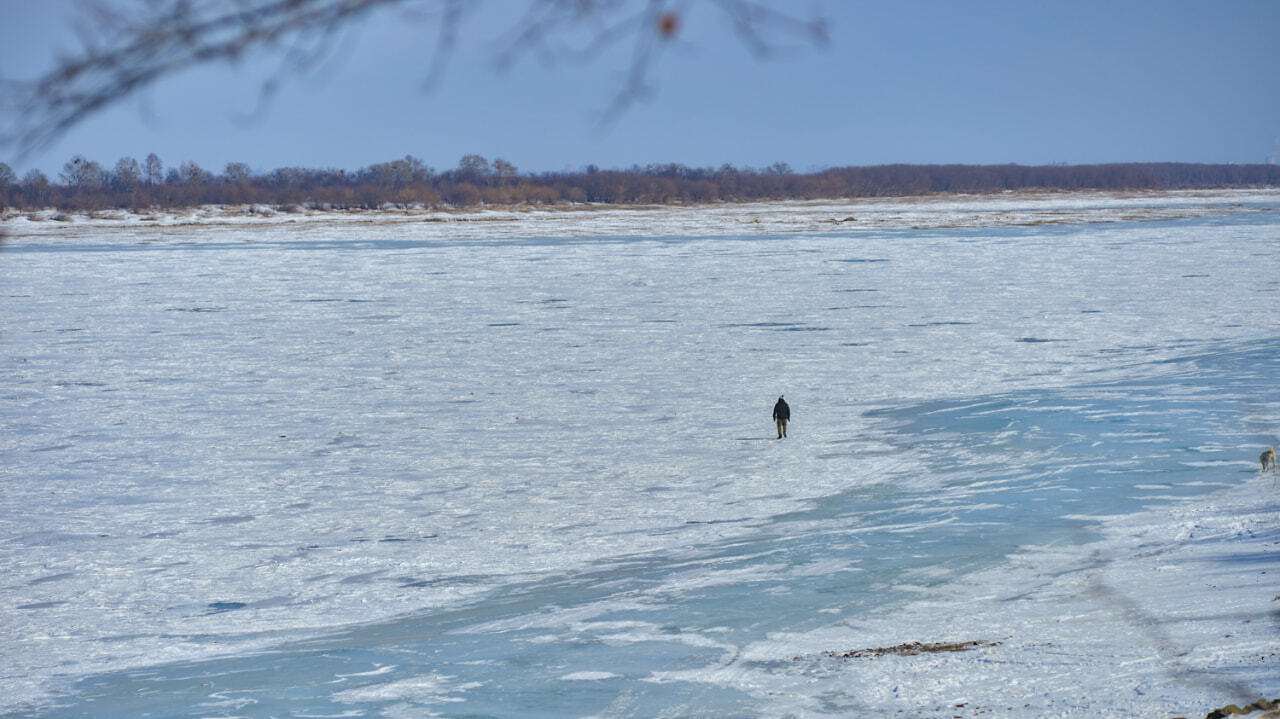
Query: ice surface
pixel 521 463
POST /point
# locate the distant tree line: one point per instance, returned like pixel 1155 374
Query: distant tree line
pixel 85 185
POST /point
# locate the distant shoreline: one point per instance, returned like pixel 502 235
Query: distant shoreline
pixel 86 186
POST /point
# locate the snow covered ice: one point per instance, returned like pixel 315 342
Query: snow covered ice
pixel 521 463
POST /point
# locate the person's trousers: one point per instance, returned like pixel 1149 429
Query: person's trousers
pixel 782 428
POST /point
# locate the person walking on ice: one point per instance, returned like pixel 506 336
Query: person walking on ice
pixel 781 413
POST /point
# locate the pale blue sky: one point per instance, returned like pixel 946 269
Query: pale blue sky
pixel 913 81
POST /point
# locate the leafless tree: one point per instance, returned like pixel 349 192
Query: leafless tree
pixel 474 169
pixel 238 172
pixel 128 174
pixel 8 180
pixel 193 174
pixel 127 45
pixel 503 171
pixel 81 172
pixel 154 169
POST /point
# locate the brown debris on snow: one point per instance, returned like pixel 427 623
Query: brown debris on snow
pixel 1270 709
pixel 909 649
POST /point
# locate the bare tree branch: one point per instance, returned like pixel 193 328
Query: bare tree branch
pixel 128 45
pixel 125 51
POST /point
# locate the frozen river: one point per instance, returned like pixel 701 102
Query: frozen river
pixel 522 464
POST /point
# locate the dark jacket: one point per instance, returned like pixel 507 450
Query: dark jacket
pixel 781 410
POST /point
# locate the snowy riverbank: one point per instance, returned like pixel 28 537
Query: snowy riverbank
pixel 751 218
